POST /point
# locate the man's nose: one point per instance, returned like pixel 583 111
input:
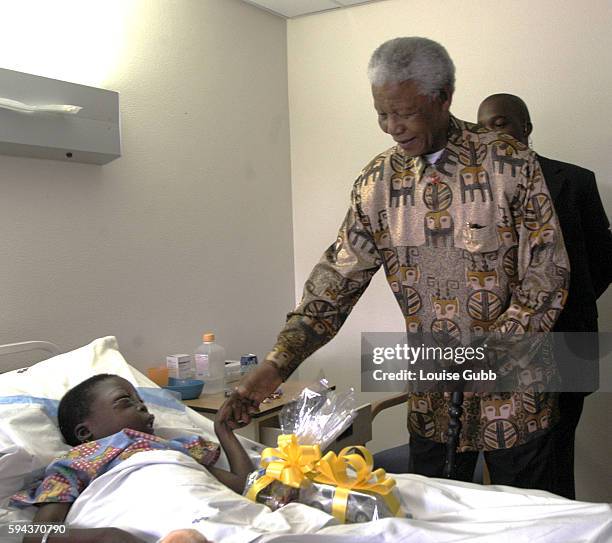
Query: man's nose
pixel 394 125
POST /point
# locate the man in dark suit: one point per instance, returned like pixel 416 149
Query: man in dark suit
pixel 588 241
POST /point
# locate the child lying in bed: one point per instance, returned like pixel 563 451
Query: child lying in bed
pixel 106 421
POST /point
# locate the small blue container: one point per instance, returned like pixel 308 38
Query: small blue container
pixel 189 389
pixel 247 363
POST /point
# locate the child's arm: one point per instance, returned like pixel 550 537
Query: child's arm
pixel 239 461
pixel 57 512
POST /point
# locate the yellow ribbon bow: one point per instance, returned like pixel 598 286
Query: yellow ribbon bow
pixel 288 463
pixel 332 470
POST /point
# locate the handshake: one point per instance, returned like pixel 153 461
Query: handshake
pixel 256 386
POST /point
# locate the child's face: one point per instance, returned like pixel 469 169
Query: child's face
pixel 116 405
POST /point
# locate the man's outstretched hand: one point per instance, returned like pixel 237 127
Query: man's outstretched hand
pixel 255 387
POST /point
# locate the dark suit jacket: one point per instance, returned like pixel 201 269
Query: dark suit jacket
pixel 588 241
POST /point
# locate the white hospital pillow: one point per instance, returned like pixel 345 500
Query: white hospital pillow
pixel 53 377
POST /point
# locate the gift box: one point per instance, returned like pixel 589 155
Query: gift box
pixel 355 507
pixel 275 494
pixel 282 469
pixel 347 487
pixel 343 485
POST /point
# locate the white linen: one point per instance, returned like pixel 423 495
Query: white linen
pixel 154 492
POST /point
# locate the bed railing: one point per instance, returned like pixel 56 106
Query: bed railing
pixel 25 347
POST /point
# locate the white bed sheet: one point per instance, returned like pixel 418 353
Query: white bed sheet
pixel 175 492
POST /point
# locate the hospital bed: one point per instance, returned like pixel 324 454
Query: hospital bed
pixel 171 493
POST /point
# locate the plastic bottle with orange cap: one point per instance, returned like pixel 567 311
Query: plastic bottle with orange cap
pixel 209 361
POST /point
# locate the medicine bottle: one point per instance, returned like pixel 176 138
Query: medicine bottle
pixel 209 360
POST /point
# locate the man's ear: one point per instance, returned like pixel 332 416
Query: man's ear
pixel 446 96
pixel 82 433
pixel 527 128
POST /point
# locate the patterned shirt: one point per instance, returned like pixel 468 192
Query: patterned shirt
pixel 469 245
pixel 66 477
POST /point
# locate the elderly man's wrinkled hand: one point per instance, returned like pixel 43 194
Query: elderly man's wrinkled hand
pixel 259 384
pixel 233 414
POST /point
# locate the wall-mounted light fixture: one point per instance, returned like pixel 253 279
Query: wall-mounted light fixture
pixel 47 118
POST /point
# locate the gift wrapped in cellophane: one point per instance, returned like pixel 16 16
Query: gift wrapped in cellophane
pixel 346 486
pixel 343 485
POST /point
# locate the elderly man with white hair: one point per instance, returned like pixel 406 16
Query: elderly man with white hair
pixel 461 221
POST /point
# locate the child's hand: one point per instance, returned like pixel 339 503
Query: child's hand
pixel 232 414
pixel 184 536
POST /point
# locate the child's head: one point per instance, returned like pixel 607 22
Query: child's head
pixel 102 406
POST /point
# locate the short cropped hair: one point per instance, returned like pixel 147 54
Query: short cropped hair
pixel 421 60
pixel 517 103
pixel 75 406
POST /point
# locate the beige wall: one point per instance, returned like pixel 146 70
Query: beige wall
pixel 555 54
pixel 190 229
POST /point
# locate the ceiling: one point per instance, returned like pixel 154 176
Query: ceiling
pixel 295 8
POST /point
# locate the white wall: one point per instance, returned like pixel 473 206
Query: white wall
pixel 555 54
pixel 190 229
